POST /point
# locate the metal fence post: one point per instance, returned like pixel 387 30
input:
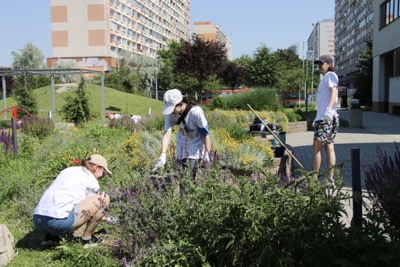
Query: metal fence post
pixel 356 181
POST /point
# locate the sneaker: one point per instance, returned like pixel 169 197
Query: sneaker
pixel 50 240
pixel 89 243
pixel 112 220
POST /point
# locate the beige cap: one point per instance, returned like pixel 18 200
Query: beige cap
pixel 99 160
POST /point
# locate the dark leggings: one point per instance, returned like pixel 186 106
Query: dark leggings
pixel 193 164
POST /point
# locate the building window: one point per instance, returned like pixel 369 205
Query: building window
pixel 397 62
pixel 390 11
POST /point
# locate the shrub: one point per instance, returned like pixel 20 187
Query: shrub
pixel 292 115
pixel 258 99
pixel 76 108
pixel 125 123
pixel 382 181
pixel 261 222
pixel 37 127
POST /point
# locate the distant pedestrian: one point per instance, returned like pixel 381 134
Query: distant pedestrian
pixel 326 122
pixel 135 118
pixel 113 117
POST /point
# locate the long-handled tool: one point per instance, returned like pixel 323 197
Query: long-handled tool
pixel 277 138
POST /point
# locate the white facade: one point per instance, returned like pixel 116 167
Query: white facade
pixel 94 32
pixel 386 57
pixel 322 38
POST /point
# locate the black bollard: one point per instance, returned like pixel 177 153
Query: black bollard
pixel 356 180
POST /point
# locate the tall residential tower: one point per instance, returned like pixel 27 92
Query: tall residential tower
pixel 354 19
pixel 94 32
pixel 212 32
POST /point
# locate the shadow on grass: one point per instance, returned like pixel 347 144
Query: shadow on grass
pixel 112 108
pixel 32 240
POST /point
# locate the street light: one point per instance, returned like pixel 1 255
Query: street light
pixel 309 56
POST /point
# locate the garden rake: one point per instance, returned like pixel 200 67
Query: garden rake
pixel 276 138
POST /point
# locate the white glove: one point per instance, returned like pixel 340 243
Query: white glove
pixel 161 161
pixel 328 115
pixel 206 157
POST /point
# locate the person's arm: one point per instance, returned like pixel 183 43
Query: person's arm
pixel 334 95
pixel 165 140
pixel 207 143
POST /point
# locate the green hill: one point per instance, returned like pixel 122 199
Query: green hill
pixel 116 101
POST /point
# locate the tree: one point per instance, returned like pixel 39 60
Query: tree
pixel 199 59
pixel 290 69
pixel 263 72
pixel 166 77
pixel 245 62
pixel 30 58
pixel 232 75
pixel 26 100
pixel 76 108
pixel 144 67
pixel 364 77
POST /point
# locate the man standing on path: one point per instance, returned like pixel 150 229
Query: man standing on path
pixel 326 122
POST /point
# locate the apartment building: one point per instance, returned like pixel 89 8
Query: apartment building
pixel 212 32
pixel 354 26
pixel 322 39
pixel 386 57
pixel 93 33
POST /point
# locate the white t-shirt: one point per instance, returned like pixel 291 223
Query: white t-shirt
pixel 135 118
pixel 71 186
pixel 189 144
pixel 324 93
pixel 117 116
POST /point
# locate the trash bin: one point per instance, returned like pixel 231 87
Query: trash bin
pixel 356 117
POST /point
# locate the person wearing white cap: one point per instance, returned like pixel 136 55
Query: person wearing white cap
pixel 193 138
pixel 72 200
pixel 326 122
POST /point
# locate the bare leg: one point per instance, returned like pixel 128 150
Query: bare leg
pixel 331 157
pixel 317 157
pixel 92 212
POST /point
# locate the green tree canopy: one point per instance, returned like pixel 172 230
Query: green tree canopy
pixel 30 57
pixel 290 69
pixel 364 77
pixel 264 71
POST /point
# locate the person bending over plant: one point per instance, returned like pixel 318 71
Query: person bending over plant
pixel 192 139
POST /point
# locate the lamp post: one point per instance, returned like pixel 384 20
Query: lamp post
pixel 118 52
pixel 303 73
pixel 310 56
pixel 156 78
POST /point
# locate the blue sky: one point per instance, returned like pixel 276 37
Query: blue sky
pixel 277 24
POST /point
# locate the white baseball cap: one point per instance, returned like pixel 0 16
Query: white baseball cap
pixel 171 98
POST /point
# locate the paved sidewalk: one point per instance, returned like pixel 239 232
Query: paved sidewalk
pixel 379 129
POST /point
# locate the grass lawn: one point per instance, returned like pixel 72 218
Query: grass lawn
pixel 116 101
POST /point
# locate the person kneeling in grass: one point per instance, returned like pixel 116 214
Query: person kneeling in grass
pixel 73 200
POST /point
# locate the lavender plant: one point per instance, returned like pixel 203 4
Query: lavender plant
pixel 38 127
pixel 383 184
pixel 6 141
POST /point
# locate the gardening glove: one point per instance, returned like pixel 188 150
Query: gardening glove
pixel 206 157
pixel 161 161
pixel 328 115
